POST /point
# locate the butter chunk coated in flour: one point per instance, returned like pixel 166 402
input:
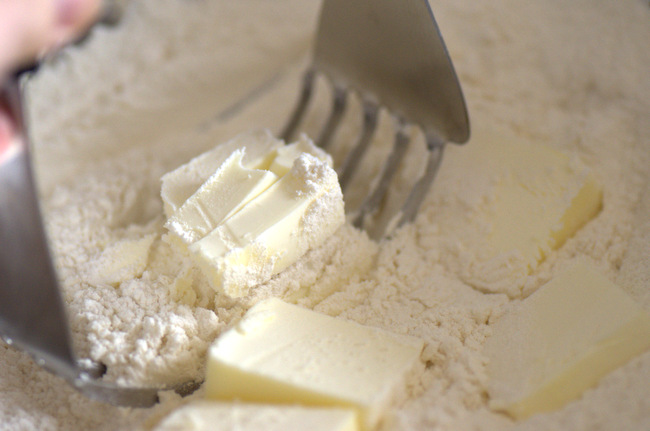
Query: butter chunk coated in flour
pixel 542 201
pixel 283 354
pixel 211 416
pixel 227 191
pixel 561 341
pixel 254 216
pixel 532 199
pixel 181 183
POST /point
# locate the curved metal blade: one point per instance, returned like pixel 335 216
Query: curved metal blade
pixel 31 310
pixel 393 51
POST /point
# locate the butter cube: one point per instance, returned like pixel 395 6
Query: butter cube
pixel 209 416
pixel 255 215
pixel 523 201
pixel 561 341
pixel 230 188
pixel 541 202
pixel 121 261
pixel 273 230
pixel 180 184
pixel 283 354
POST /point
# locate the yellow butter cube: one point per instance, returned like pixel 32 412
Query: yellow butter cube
pixel 561 341
pixel 281 353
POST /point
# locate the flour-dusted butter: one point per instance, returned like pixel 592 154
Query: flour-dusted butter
pixel 541 201
pixel 523 201
pixel 181 183
pixel 227 191
pixel 215 416
pixel 284 156
pixel 123 260
pixel 281 353
pixel 561 340
pixel 272 231
pixel 252 219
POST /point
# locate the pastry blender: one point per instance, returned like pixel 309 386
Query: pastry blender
pixel 390 52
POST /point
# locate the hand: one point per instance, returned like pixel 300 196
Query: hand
pixel 30 28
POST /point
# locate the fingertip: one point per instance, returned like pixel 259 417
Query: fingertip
pixel 75 16
pixel 29 28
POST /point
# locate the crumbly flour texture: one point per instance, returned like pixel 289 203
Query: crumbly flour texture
pixel 177 77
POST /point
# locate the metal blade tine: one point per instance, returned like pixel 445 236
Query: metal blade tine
pixel 371 204
pixel 420 189
pixel 301 106
pixel 349 166
pixel 32 311
pixel 339 102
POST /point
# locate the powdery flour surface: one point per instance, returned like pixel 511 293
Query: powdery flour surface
pixel 111 117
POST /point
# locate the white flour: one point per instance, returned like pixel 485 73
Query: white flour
pixel 111 118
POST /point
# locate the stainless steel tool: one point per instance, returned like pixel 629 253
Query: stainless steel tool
pixel 32 314
pixel 390 53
